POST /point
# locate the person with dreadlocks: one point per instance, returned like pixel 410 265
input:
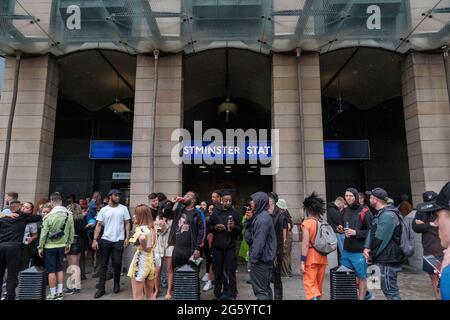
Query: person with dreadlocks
pixel 312 263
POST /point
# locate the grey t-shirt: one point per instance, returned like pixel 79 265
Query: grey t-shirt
pixel 29 229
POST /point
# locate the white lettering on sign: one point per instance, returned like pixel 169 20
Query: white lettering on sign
pixel 374 21
pixel 121 175
pixel 74 20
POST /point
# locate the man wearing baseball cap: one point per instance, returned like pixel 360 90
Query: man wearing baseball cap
pixel 442 208
pixel 379 247
pixel 115 219
pixel 424 223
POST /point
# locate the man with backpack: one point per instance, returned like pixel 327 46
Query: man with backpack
pixel 56 238
pixel 357 219
pixel 383 244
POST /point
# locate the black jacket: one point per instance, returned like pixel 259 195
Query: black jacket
pixel 334 216
pixel 430 237
pixel 359 218
pixel 199 225
pixel 13 229
pixel 279 223
pixel 224 239
pixel 384 238
pixel 260 234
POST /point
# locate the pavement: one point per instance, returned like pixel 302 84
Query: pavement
pixel 413 284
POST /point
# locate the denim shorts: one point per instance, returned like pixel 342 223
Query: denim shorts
pixel 355 261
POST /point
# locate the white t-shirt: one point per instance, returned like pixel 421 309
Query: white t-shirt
pixel 113 222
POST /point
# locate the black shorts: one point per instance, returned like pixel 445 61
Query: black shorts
pixel 54 259
pixel 77 247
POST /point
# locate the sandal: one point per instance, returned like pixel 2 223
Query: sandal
pixel 169 296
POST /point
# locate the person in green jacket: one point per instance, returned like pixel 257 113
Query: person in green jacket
pixel 56 237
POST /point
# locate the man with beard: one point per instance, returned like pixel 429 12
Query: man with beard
pixel 187 234
pixel 115 219
pixel 382 245
pixel 260 236
pixel 225 224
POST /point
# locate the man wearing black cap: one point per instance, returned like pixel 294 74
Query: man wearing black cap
pixel 424 224
pixel 115 219
pixel 383 242
pixel 442 208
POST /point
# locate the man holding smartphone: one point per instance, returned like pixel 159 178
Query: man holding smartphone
pixel 442 208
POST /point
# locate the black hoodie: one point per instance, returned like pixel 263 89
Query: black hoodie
pixel 224 239
pixel 260 235
pixel 357 221
pixel 334 216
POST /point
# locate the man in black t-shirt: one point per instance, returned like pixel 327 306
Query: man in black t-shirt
pixel 188 231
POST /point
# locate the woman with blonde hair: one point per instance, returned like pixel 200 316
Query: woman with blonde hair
pixel 142 269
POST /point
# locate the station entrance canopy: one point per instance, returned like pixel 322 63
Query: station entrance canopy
pixel 140 26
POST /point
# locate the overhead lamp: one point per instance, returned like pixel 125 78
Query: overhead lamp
pixel 119 107
pixel 227 171
pixel 227 106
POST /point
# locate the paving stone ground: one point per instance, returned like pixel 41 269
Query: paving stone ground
pixel 414 285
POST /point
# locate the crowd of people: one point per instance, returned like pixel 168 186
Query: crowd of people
pixel 169 233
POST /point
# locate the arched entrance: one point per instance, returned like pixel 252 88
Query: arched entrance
pixel 209 79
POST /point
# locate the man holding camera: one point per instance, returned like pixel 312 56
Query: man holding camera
pixel 56 237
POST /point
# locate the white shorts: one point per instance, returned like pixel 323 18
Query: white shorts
pixel 164 252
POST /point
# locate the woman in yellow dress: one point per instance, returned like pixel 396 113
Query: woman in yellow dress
pixel 142 269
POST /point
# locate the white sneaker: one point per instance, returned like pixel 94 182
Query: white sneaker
pixel 208 286
pixel 205 277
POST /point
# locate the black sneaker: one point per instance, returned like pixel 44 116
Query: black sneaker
pixel 75 291
pixel 116 287
pixel 99 294
pixel 68 291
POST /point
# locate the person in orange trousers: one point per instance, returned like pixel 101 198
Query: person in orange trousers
pixel 312 263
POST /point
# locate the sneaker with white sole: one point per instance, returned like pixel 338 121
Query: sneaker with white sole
pixel 51 296
pixel 208 286
pixel 205 277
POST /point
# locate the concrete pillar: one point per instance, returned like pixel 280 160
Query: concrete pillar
pixel 33 126
pixel 288 183
pixel 169 111
pixel 427 119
